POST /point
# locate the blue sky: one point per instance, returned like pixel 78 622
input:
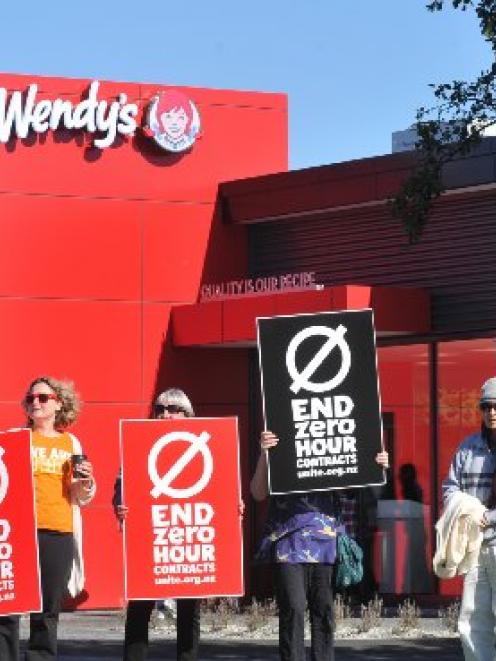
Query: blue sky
pixel 354 71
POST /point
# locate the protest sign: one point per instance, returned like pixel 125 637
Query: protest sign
pixel 19 569
pixel 180 480
pixel 321 398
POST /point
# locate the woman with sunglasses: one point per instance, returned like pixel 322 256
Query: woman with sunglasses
pixel 51 406
pixel 169 405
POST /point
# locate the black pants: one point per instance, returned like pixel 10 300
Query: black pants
pixel 187 623
pixel 56 552
pixel 9 638
pixel 296 585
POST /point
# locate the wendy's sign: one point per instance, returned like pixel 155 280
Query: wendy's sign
pixel 180 480
pixel 22 113
pixel 173 120
pixel 19 571
pixel 321 398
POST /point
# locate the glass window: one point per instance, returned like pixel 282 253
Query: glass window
pixel 402 544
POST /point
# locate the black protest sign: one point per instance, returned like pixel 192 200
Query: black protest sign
pixel 321 398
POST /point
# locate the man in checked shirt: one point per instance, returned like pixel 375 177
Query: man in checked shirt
pixel 471 471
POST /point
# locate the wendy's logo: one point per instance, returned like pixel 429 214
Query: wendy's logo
pixel 173 121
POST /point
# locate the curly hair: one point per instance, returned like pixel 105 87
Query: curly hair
pixel 67 396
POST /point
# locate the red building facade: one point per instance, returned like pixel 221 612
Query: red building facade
pixel 97 246
pixel 105 252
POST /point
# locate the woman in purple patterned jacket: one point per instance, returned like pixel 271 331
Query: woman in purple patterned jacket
pixel 300 541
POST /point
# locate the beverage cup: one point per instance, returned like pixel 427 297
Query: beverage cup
pixel 76 460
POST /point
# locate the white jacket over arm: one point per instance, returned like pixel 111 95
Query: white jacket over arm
pixel 458 535
pixel 80 496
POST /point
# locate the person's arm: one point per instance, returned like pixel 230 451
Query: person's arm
pixel 259 487
pixel 489 519
pixel 451 484
pixel 83 488
pixel 117 496
pixel 120 510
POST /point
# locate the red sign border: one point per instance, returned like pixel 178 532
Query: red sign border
pixel 35 528
pixel 238 469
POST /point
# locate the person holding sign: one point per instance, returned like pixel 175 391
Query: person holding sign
pixel 300 541
pixel 169 405
pixel 51 406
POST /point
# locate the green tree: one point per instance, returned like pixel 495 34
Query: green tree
pixel 451 127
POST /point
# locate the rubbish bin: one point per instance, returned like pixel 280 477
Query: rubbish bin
pixel 400 562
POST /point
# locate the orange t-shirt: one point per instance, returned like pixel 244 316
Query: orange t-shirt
pixel 52 480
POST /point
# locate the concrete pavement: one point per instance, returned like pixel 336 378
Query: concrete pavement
pixel 93 636
pixel 369 650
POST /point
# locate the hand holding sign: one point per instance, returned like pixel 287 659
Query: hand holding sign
pixel 268 440
pixel 382 458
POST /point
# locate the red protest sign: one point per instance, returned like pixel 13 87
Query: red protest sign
pixel 19 570
pixel 180 480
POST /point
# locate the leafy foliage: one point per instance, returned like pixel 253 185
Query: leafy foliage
pixel 463 110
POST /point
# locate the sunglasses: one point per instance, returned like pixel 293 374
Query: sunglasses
pixel 160 409
pixel 488 406
pixel 42 397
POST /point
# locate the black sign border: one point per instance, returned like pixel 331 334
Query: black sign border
pixel 316 314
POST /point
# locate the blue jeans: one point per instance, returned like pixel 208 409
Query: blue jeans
pixel 477 620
